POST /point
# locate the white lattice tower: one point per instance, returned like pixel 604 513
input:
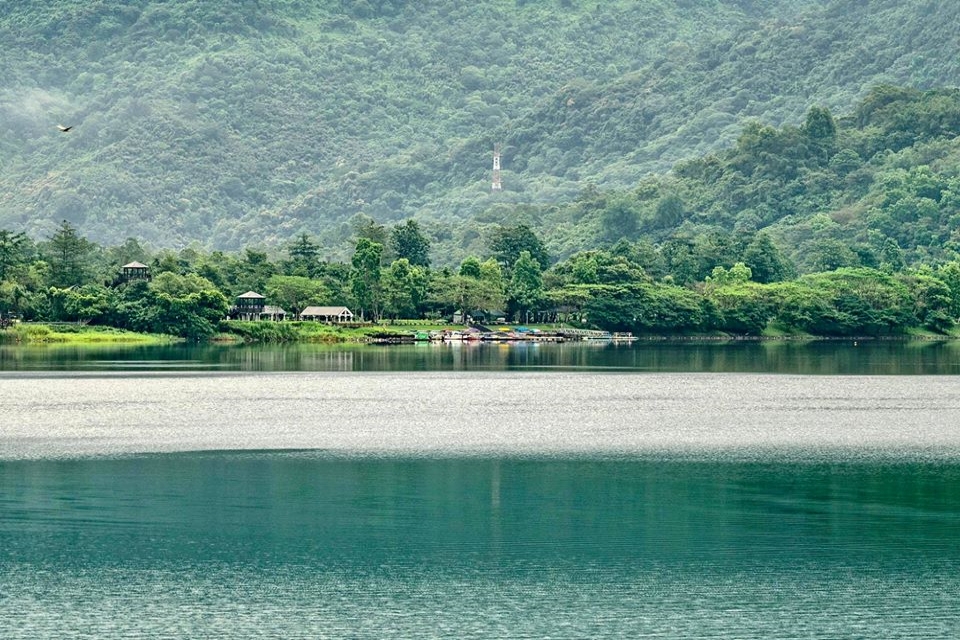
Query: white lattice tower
pixel 497 186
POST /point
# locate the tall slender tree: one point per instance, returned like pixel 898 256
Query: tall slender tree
pixel 408 241
pixel 365 277
pixel 68 255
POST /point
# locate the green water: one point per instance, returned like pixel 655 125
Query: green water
pixel 676 490
pixel 270 544
pixel 774 356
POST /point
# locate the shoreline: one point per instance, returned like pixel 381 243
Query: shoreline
pixel 78 335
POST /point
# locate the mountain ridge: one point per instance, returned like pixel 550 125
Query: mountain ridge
pixel 236 124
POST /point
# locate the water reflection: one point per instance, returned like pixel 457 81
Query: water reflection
pixel 300 545
pixel 819 357
pixel 499 514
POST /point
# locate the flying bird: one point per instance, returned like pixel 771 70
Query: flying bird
pixel 63 128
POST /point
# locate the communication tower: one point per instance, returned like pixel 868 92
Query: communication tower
pixel 496 168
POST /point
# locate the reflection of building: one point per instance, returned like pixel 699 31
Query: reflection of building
pixel 135 271
pixel 327 314
pixel 250 305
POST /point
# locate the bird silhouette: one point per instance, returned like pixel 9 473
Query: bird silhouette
pixel 63 128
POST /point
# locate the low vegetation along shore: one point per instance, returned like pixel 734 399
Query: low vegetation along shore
pixel 77 334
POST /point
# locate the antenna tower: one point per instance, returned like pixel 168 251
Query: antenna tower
pixel 496 168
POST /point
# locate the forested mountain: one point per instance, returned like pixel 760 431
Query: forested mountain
pixel 247 122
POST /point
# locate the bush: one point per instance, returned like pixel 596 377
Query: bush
pixel 264 331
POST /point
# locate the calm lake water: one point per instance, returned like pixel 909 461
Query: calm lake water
pixel 883 357
pixel 566 491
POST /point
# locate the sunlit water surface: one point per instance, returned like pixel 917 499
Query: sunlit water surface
pixel 479 501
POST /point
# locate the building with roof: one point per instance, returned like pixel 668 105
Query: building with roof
pixel 250 305
pixel 333 315
pixel 135 271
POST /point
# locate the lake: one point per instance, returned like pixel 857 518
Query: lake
pixel 883 357
pixel 676 490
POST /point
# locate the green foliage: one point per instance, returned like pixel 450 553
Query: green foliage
pixel 13 251
pixel 239 123
pixel 405 289
pixel 173 284
pixel 740 306
pixel 304 254
pixel 409 242
pixel 646 308
pixel 820 127
pixel 365 278
pixel 195 315
pixel 525 289
pixel 508 243
pixel 269 332
pixel 766 261
pixel 470 267
pixel 861 302
pixel 866 207
pixel 67 254
pixel 86 303
pixel 607 288
pixel 294 293
pixel 619 219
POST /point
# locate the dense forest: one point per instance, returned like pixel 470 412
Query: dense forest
pixel 636 287
pixel 687 129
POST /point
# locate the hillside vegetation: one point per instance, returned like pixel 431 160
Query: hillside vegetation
pixel 243 123
pixel 881 185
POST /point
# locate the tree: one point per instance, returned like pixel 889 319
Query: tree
pixel 470 267
pixel 187 306
pixel 570 300
pixel 526 285
pixel 820 127
pixel 670 212
pixel 408 241
pixel 466 294
pixel 740 306
pixel 645 307
pixel 765 260
pixel 492 275
pixel 365 277
pixel 12 251
pixel 195 315
pixel 404 287
pixel 931 298
pixel 68 255
pixel 294 293
pixel 851 302
pixel 891 256
pixel 507 243
pixel 619 219
pixel 252 273
pixel 949 274
pixel 737 274
pixel 366 227
pixel 80 304
pixel 828 254
pixel 303 256
pixel 174 284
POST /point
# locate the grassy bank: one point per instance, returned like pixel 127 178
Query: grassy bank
pixel 77 334
pixel 319 332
